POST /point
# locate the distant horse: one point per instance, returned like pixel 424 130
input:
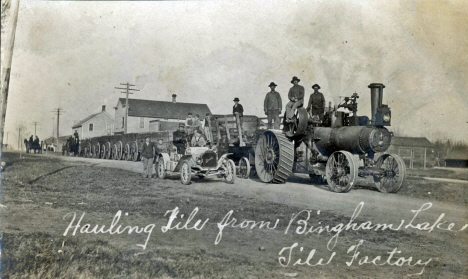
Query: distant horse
pixel 71 146
pixel 33 146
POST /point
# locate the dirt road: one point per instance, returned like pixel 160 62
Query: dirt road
pixel 298 191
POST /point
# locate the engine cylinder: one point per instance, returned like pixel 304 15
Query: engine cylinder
pixel 354 139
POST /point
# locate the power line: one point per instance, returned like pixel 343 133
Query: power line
pixel 58 112
pixel 127 91
pixel 35 124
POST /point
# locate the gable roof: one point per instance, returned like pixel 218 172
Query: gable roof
pixel 84 120
pixel 458 154
pixel 81 122
pixel 412 141
pixel 161 109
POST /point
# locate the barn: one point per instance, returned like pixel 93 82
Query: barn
pixel 457 159
pixel 417 152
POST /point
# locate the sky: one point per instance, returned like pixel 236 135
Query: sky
pixel 72 55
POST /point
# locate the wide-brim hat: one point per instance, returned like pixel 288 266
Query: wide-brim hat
pixel 272 84
pixel 316 85
pixel 236 99
pixel 295 78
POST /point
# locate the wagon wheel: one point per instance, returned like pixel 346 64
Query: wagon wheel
pixel 185 174
pixel 119 152
pixel 97 151
pixel 274 157
pixel 230 168
pixel 135 152
pixel 114 152
pixel 109 151
pixel 244 168
pixel 161 169
pixel 298 126
pixel 103 152
pixel 127 152
pixel 394 173
pixel 341 171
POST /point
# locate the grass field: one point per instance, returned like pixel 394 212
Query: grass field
pixel 38 192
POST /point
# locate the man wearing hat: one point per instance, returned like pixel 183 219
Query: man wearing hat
pixel 238 109
pixel 316 102
pixel 179 138
pixel 147 155
pixel 296 99
pixel 272 106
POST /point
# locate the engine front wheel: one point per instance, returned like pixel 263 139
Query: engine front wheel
pixel 341 171
pixel 394 172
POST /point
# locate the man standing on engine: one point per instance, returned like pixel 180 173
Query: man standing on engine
pixel 296 99
pixel 147 155
pixel 316 102
pixel 237 109
pixel 272 106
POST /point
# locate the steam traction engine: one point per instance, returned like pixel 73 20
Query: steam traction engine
pixel 339 148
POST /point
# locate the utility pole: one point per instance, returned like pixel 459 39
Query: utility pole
pixel 19 139
pixel 59 110
pixel 127 91
pixel 6 60
pixel 35 124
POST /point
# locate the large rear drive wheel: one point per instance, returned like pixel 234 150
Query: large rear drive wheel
pixel 230 167
pixel 185 174
pixel 244 168
pixel 341 171
pixel 274 157
pixel 394 172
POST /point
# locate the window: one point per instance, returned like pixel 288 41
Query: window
pixel 123 122
pixel 91 126
pixel 142 122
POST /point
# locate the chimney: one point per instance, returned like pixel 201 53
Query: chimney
pixel 103 108
pixel 376 98
pixel 174 96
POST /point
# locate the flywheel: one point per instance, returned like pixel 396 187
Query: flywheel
pixel 274 156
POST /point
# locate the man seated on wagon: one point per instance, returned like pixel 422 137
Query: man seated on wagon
pixel 198 140
pixel 179 138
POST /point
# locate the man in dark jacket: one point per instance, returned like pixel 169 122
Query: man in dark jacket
pixel 272 106
pixel 179 138
pixel 223 145
pixel 147 155
pixel 237 109
pixel 296 98
pixel 316 102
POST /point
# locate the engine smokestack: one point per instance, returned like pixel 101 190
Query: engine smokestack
pixel 174 96
pixel 376 98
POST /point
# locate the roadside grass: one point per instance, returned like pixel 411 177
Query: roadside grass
pixel 33 251
pixel 461 174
